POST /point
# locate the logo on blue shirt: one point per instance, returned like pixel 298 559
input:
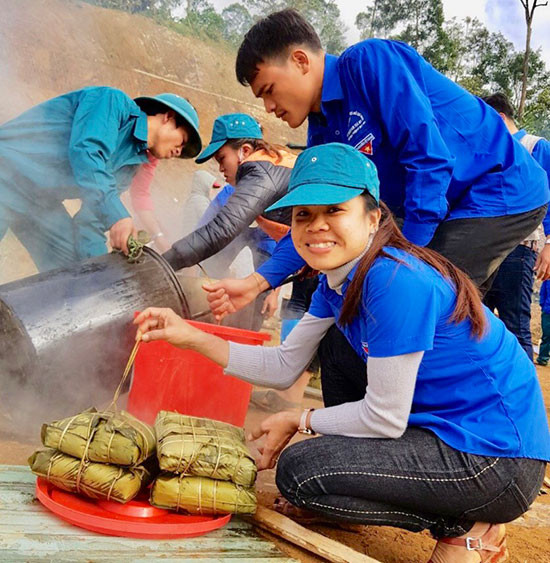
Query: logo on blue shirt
pixel 355 123
pixel 365 145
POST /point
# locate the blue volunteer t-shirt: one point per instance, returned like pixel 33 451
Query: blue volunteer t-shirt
pixel 441 153
pixel 479 396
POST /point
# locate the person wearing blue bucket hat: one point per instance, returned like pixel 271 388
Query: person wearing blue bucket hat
pixel 86 145
pixel 257 174
pixel 437 436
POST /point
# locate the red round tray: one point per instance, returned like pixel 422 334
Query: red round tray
pixel 135 519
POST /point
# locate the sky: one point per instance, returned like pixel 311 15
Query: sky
pixel 505 16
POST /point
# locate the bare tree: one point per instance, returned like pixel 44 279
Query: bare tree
pixel 529 7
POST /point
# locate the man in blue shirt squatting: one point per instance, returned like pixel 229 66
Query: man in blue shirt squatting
pixel 448 169
pixel 86 145
pixel 512 290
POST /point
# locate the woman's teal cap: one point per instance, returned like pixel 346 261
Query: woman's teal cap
pixel 230 126
pixel 330 174
pixel 185 110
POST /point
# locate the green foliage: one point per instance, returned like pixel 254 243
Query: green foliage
pixel 481 61
pixel 324 16
pixel 237 21
pixel 417 22
pixel 133 6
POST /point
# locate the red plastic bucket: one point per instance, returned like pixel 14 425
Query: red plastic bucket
pixel 168 378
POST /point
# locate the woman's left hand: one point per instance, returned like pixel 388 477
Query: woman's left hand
pixel 278 429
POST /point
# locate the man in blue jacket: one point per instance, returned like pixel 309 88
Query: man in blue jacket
pixel 85 145
pixel 447 169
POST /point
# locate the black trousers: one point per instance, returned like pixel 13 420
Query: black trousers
pixel 478 246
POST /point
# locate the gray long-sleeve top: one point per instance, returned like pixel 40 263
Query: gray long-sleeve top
pixel 382 413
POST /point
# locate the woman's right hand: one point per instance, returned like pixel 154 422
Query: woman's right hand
pixel 163 324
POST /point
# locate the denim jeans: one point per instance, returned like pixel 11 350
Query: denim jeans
pixel 414 482
pixel 544 352
pixel 512 292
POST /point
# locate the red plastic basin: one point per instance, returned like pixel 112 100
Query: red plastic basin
pixel 168 378
pixel 136 519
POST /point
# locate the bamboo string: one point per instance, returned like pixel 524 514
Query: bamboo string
pixel 127 369
pixel 209 279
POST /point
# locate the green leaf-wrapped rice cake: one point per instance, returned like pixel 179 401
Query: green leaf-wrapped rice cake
pixel 204 448
pixel 201 495
pixel 106 437
pixel 95 480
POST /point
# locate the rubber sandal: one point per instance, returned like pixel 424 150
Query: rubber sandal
pixel 491 546
pixel 271 401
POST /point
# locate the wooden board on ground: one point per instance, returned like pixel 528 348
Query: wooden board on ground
pixel 311 541
pixel 30 533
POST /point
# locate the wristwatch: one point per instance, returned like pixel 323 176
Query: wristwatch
pixel 302 427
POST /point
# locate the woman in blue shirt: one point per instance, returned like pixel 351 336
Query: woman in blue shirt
pixel 441 440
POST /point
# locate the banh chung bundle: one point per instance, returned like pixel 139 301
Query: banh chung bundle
pixel 102 455
pixel 207 468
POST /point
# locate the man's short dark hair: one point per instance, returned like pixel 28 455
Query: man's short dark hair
pixel 270 38
pixel 501 103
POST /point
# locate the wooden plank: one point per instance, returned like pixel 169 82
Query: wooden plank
pixel 29 532
pixel 291 531
pixel 72 557
pixel 547 482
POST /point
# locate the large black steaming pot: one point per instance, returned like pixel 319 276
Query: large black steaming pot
pixel 65 335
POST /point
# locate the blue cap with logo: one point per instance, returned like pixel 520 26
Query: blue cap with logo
pixel 185 110
pixel 230 126
pixel 330 174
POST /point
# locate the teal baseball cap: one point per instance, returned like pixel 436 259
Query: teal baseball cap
pixel 330 174
pixel 230 126
pixel 186 111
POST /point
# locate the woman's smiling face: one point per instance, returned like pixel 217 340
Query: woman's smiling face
pixel 328 236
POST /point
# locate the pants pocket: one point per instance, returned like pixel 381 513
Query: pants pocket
pixel 507 506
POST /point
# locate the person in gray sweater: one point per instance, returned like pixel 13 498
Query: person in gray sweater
pixel 437 436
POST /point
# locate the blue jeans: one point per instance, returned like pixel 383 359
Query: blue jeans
pixel 414 482
pixel 512 292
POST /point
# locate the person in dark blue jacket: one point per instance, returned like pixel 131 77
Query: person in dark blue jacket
pixel 87 145
pixel 544 352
